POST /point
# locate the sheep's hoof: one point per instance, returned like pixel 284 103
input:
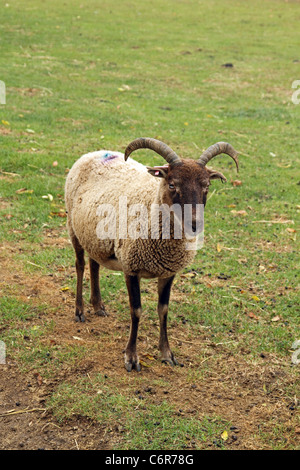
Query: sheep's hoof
pixel 101 312
pixel 129 366
pixel 132 363
pixel 172 361
pixel 79 316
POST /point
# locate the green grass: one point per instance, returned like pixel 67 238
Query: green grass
pixel 26 338
pixel 81 77
pixel 145 425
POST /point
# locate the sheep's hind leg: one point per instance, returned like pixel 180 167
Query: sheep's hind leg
pixel 164 289
pixel 80 263
pixel 95 300
pixel 131 357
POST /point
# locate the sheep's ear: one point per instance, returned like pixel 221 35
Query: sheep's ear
pixel 213 175
pixel 159 171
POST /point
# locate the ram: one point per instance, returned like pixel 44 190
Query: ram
pixel 100 180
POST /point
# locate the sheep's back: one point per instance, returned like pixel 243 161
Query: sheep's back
pixel 102 178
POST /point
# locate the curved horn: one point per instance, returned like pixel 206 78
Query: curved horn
pixel 217 149
pixel 159 147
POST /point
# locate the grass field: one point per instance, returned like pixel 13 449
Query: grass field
pixel 82 76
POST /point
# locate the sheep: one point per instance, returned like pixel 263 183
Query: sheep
pixel 103 177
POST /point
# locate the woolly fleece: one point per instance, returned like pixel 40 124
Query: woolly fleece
pixel 101 178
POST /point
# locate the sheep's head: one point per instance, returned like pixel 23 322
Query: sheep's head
pixel 185 181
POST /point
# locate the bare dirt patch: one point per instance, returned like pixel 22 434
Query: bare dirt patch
pixel 5 131
pixel 26 424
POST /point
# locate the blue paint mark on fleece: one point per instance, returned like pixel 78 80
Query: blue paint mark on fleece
pixel 108 157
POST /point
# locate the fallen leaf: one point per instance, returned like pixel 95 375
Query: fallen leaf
pixel 77 338
pixel 284 165
pixel 276 318
pixel 124 88
pixel 189 275
pixel 243 213
pixel 291 230
pixel 64 288
pixel 30 131
pixel 210 286
pixel 236 183
pixel 6 123
pixel 254 297
pixel 144 364
pixel 252 315
pixel 224 435
pixel 39 379
pixel 219 248
pixel 24 190
pixel 58 214
pixel 148 356
pixel 49 196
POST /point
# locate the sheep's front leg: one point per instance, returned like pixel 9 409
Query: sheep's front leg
pixel 133 287
pixel 164 289
pixel 95 300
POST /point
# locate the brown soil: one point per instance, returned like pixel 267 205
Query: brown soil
pixel 252 396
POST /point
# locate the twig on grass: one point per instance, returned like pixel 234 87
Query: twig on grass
pixel 14 412
pixel 33 264
pixel 278 221
pixel 48 424
pixel 9 173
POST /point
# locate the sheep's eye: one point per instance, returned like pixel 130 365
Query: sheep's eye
pixel 171 186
